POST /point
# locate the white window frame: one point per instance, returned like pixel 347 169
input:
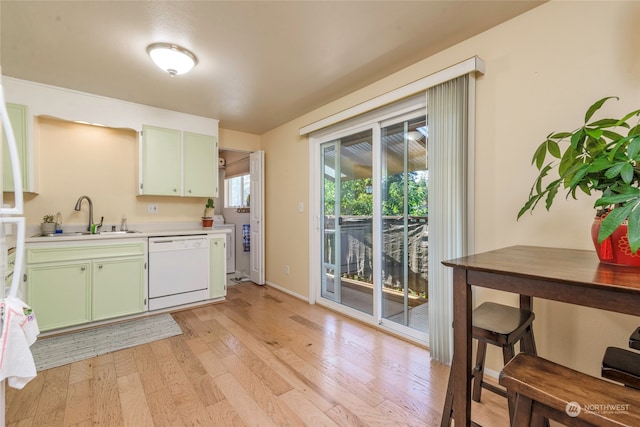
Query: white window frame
pixel 228 192
pixel 357 117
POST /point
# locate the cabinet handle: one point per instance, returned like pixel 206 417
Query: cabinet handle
pixel 189 191
pixel 83 268
pixel 175 190
pixel 100 266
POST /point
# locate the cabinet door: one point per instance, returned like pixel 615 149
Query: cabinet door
pixel 118 287
pixel 161 161
pixel 200 165
pixel 59 294
pixel 18 119
pixel 217 265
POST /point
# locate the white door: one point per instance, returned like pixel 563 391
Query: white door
pixel 256 221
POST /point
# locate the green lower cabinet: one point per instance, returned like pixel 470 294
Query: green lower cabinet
pixel 60 294
pixel 218 267
pixel 70 285
pixel 118 287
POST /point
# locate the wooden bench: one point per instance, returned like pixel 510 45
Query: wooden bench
pixel 546 389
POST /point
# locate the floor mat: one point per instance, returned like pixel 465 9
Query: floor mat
pixel 64 349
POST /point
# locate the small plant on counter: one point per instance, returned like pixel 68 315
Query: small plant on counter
pixel 48 225
pixel 208 209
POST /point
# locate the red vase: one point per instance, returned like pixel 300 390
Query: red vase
pixel 614 249
pixel 207 222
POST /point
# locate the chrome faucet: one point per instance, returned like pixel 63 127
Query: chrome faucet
pixel 77 208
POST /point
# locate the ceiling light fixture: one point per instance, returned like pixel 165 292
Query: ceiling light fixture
pixel 172 58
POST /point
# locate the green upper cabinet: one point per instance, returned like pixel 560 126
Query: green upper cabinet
pixel 176 163
pixel 200 165
pixel 161 161
pixel 18 119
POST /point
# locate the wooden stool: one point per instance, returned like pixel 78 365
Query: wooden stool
pixel 546 389
pixel 502 326
pixel 622 366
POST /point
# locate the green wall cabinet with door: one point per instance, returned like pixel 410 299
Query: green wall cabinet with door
pixel 18 116
pixel 176 163
pixel 73 283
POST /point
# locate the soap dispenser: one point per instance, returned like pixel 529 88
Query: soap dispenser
pixel 123 224
pixel 58 222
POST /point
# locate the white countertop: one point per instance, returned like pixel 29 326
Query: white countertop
pixel 136 231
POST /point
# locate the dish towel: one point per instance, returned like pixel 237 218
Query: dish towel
pixel 19 331
pixel 246 238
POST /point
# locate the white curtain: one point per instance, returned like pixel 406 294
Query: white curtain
pixel 447 106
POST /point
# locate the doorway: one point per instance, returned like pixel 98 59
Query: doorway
pixel 239 208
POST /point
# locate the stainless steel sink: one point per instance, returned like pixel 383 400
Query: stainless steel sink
pixel 62 234
pixel 84 233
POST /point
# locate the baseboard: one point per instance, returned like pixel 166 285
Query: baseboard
pixel 491 373
pixel 287 291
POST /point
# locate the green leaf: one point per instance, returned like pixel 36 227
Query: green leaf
pixel 632 193
pixel 578 176
pixel 634 148
pixel 604 123
pixel 633 230
pixel 599 164
pixel 627 117
pixel 560 135
pixel 539 155
pixel 554 148
pixel 611 135
pixel 550 196
pixel 527 206
pixel 634 130
pixel 577 139
pixel 627 173
pixel 613 221
pixel 594 133
pixel 614 171
pixel 595 107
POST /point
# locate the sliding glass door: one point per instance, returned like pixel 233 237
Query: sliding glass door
pixel 404 223
pixel 347 204
pixel 374 246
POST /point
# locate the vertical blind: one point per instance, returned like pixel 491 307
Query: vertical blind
pixel 447 104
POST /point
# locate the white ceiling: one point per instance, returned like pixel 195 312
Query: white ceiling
pixel 262 63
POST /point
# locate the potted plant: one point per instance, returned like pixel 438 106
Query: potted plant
pixel 48 226
pixel 601 156
pixel 207 216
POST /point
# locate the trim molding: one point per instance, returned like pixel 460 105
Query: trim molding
pixel 287 291
pixel 473 64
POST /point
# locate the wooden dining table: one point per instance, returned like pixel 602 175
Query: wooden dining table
pixel 567 275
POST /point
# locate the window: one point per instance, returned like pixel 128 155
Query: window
pixel 236 191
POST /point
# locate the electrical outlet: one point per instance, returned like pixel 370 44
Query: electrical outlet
pixel 152 208
pixel 286 270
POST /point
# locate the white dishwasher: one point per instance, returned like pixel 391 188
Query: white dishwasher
pixel 178 270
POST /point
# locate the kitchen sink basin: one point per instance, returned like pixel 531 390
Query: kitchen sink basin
pixel 62 234
pixel 84 233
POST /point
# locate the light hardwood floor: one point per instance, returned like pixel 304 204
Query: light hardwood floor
pixel 262 358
